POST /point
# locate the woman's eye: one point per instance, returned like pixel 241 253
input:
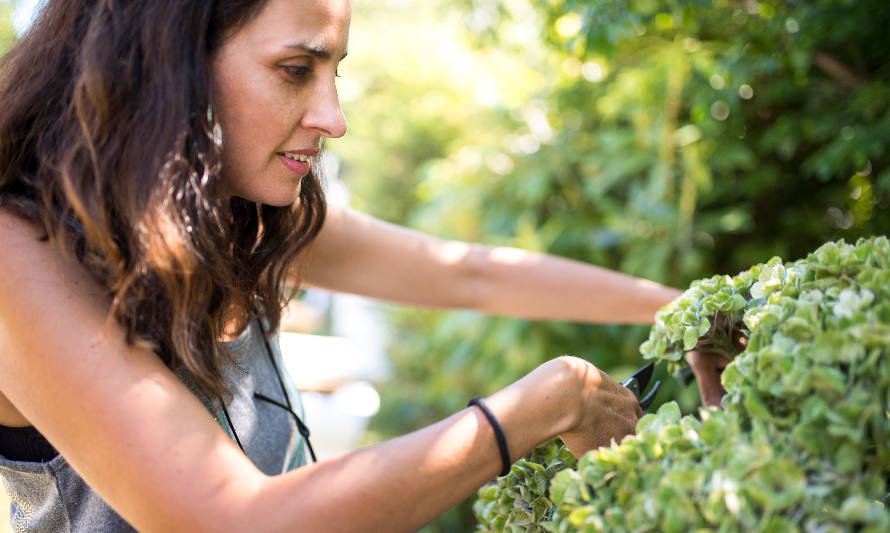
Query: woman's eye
pixel 298 72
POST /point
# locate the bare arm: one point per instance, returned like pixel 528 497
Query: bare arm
pixel 148 446
pixel 358 254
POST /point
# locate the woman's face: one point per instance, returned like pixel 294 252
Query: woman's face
pixel 274 95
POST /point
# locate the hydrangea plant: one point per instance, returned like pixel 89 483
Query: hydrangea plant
pixel 800 444
pixel 519 501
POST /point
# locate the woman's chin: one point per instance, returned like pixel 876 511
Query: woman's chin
pixel 286 199
pixel 279 202
pixel 283 197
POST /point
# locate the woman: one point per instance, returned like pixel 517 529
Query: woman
pixel 157 191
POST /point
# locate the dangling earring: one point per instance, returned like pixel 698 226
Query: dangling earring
pixel 214 132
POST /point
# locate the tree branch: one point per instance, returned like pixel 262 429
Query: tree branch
pixel 837 70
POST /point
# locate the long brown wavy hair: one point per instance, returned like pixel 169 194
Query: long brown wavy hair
pixel 108 142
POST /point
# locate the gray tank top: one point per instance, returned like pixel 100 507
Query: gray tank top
pixel 51 496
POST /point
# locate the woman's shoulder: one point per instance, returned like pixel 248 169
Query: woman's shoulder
pixel 31 259
pixel 22 241
pixel 12 225
pixel 26 257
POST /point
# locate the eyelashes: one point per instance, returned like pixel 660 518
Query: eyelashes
pixel 301 73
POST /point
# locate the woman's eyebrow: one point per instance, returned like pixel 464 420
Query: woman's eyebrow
pixel 319 51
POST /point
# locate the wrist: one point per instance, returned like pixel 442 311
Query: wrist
pixel 543 404
pixel 500 438
pixel 566 398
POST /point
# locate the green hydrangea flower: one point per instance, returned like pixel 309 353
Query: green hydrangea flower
pixel 801 441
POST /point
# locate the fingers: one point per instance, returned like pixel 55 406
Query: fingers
pixel 609 411
pixel 707 367
pixel 612 428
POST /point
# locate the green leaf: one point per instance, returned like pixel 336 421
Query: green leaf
pixel 690 338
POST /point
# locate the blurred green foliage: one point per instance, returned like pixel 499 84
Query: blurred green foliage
pixel 7 32
pixel 668 139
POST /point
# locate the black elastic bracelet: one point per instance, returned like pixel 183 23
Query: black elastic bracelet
pixel 498 433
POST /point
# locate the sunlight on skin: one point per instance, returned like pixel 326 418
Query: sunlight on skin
pixel 649 284
pixel 509 255
pixel 517 256
pixel 454 252
pixel 444 446
pixel 507 404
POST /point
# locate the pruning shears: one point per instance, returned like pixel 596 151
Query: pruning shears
pixel 637 383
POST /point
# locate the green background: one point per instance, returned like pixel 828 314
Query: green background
pixel 668 139
pixel 665 139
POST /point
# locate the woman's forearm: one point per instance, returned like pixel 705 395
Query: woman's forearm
pixel 401 484
pixel 358 254
pixel 515 282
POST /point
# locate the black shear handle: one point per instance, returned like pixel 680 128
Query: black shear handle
pixel 637 383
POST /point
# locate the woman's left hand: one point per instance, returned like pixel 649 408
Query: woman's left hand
pixel 707 367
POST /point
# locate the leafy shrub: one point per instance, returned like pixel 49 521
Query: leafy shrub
pixel 519 501
pixel 609 143
pixel 800 442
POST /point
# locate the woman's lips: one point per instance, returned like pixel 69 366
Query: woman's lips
pixel 301 168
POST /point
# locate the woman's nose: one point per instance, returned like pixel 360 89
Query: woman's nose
pixel 324 114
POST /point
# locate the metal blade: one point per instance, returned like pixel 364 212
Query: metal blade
pixel 632 384
pixel 639 380
pixel 642 376
pixel 647 401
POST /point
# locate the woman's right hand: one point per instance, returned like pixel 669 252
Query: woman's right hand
pixel 592 409
pixel 605 409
